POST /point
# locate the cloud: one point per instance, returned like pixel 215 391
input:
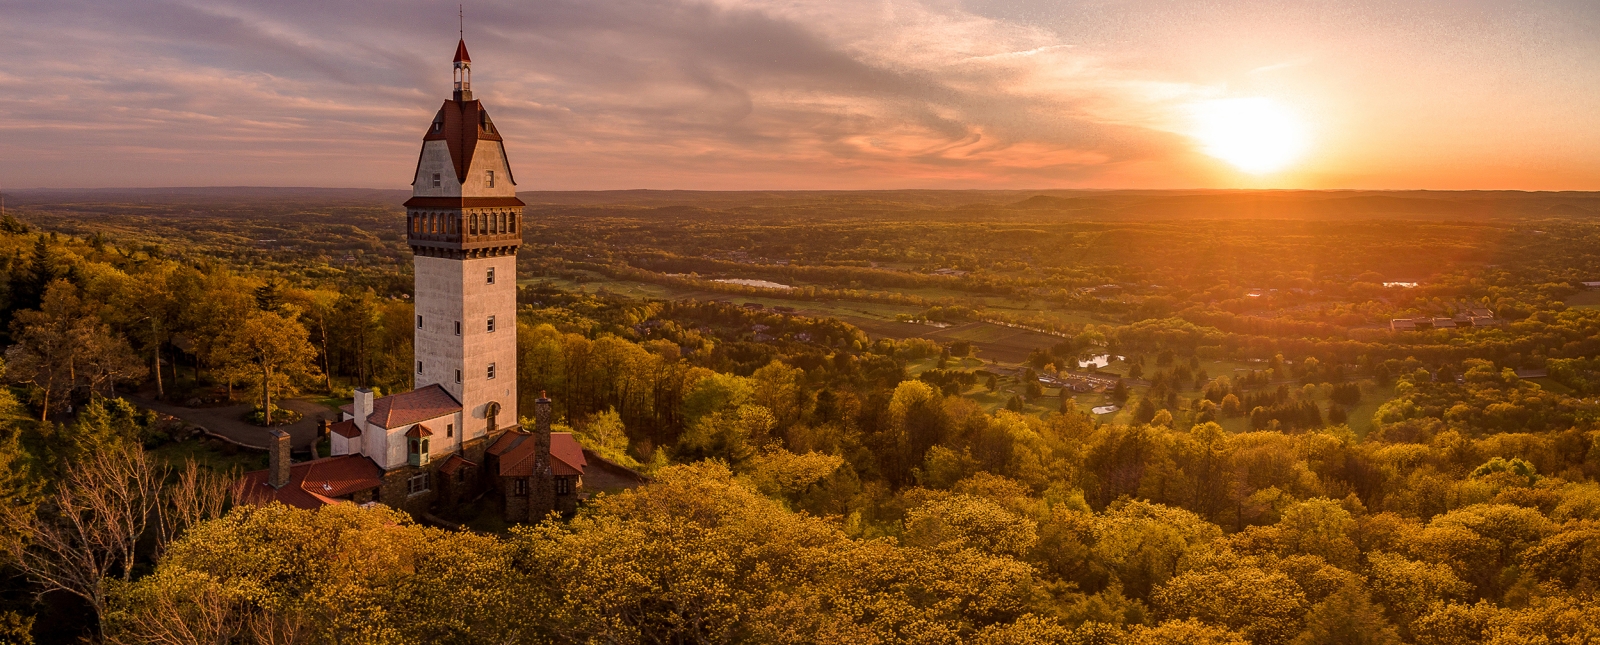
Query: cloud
pixel 624 93
pixel 613 94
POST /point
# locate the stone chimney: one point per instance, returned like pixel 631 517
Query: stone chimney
pixel 322 433
pixel 278 459
pixel 362 407
pixel 541 414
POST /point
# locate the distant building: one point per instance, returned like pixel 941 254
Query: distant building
pixel 1590 285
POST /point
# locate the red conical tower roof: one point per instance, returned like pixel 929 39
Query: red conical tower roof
pixel 461 52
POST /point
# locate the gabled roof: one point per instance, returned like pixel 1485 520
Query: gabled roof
pixel 516 452
pixel 346 429
pixel 454 463
pixel 398 410
pixel 312 484
pixel 461 52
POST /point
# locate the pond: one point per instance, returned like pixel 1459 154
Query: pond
pixel 759 284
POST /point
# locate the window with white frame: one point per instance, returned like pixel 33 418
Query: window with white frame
pixel 418 483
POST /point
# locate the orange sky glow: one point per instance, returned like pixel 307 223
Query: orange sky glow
pixel 811 94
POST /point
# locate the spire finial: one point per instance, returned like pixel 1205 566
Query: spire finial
pixel 461 21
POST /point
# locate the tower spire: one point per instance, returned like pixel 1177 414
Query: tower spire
pixel 463 62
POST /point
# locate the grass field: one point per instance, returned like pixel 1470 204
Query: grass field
pixel 1584 300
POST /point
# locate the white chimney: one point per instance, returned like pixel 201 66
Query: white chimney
pixel 362 407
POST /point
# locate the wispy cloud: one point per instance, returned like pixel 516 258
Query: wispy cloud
pixel 621 93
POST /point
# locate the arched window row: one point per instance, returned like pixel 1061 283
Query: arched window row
pixel 490 223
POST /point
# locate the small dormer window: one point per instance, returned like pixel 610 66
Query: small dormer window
pixel 438 126
pixel 491 179
pixel 435 180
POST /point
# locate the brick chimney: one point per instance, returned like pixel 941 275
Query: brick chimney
pixel 278 459
pixel 541 414
pixel 361 407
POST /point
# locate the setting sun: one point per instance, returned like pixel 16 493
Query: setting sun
pixel 1255 135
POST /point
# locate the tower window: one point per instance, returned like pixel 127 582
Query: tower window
pixel 491 371
pixel 435 180
pixel 458 376
pixel 458 328
pixel 419 367
pixel 491 179
pixel 522 487
pixel 491 324
pixel 419 321
pixel 491 275
pixel 450 428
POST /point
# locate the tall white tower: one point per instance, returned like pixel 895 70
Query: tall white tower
pixel 464 227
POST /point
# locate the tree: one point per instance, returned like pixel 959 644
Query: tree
pixel 63 346
pixel 278 350
pixel 90 529
pixel 1266 606
pixel 991 383
pixel 1347 617
pixel 1145 411
pixel 1119 392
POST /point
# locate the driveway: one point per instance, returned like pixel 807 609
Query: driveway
pixel 229 421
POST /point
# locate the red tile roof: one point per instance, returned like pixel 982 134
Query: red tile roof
pixel 312 484
pixel 418 431
pixel 566 452
pixel 515 450
pixel 454 463
pixel 461 52
pixel 406 408
pixel 347 429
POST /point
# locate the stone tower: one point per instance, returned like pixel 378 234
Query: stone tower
pixel 464 224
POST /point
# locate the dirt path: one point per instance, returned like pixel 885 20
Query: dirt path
pixel 229 421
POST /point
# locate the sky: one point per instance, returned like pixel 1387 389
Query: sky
pixel 811 94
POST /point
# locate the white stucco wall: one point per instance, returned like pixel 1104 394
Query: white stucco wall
pixel 490 155
pixel 435 159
